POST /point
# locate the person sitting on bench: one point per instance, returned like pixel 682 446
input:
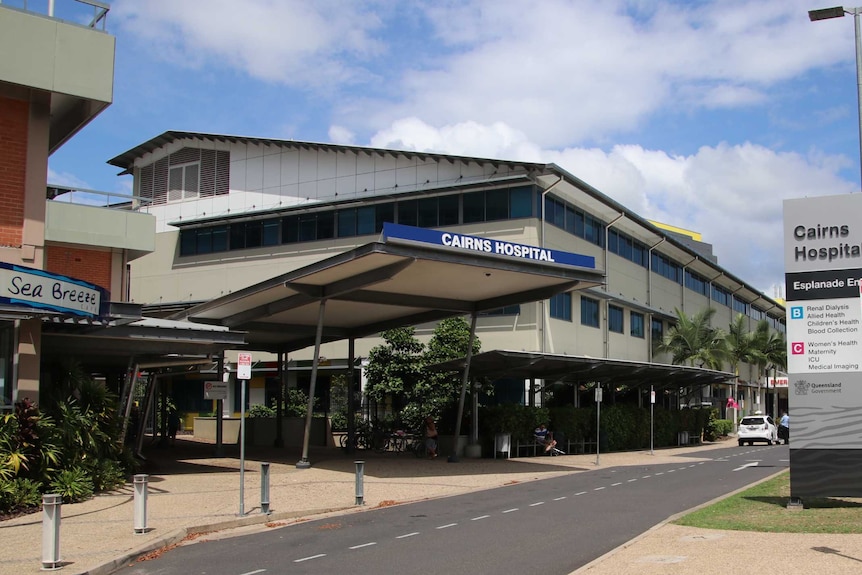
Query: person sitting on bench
pixel 545 437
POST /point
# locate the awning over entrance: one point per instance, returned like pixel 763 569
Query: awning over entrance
pixel 146 340
pixel 500 364
pixel 383 285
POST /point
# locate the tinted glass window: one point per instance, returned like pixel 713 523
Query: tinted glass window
pixel 521 202
pixel 448 214
pixel 408 212
pixel 496 205
pixel 474 207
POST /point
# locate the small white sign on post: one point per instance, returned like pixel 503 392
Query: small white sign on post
pixel 215 390
pixel 243 369
pixel 598 394
pixel 652 396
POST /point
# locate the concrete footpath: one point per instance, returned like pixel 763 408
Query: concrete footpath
pixel 194 495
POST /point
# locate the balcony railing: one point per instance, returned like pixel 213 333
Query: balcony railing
pixel 83 196
pixel 70 11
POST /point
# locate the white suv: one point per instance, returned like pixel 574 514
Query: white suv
pixel 757 428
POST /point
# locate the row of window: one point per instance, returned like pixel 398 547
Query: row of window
pixel 432 212
pixel 561 308
pixel 471 207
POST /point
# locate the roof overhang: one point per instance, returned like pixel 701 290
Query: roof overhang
pixel 499 364
pixel 383 285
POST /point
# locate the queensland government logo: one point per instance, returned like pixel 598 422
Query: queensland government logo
pixel 801 387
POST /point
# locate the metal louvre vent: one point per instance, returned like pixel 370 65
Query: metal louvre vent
pixel 208 173
pixel 222 178
pixel 160 182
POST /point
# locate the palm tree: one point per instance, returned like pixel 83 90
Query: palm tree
pixel 772 347
pixel 694 341
pixel 741 346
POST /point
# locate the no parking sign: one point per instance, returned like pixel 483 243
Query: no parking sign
pixel 243 370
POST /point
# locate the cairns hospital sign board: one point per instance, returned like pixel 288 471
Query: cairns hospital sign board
pixel 37 289
pixel 485 245
pixel 823 269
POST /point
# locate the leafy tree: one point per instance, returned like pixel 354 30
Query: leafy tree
pixel 441 391
pixel 395 369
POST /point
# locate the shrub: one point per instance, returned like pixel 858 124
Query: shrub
pixel 519 420
pixel 19 494
pixel 106 474
pixel 72 485
pixel 259 410
pixel 338 419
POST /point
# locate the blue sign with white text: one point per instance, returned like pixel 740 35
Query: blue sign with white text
pixel 486 245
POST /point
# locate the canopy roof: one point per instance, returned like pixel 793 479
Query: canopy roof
pixel 383 285
pixel 528 365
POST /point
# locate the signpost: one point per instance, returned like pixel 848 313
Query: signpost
pixel 598 420
pixel 651 421
pixel 823 267
pixel 243 373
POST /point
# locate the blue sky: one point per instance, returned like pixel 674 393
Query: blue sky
pixel 701 114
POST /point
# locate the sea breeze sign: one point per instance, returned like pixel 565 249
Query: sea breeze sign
pixel 38 289
pixel 485 245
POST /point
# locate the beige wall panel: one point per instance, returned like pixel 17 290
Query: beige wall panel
pixel 627 278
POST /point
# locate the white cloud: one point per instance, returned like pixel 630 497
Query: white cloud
pixel 293 42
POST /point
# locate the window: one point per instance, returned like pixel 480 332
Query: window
pixel 561 306
pixel 696 283
pixel 637 321
pixel 508 310
pixel 663 266
pixel 615 319
pixel 721 295
pixel 521 202
pixel 474 207
pixel 657 331
pixel 589 312
pixel 740 306
pixel 408 212
pixel 183 182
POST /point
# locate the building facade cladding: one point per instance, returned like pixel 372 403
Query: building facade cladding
pixel 291 204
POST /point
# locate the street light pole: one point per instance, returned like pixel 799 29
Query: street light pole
pixel 839 12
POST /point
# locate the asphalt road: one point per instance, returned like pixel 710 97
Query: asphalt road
pixel 550 526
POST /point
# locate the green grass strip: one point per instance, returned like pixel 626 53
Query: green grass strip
pixel 764 508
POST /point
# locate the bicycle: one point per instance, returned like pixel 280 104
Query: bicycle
pixel 418 446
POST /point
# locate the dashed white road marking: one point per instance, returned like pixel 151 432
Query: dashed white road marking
pixel 598 488
pixel 255 572
pixel 309 558
pixel 446 526
pixel 632 480
pixel 406 535
pixel 510 510
pixel 615 484
pixel 480 517
pixel 559 498
pixel 363 545
pixel 580 493
pixel 537 503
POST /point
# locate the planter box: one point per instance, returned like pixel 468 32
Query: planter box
pixel 261 431
pixel 205 428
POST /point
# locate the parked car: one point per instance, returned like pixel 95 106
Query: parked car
pixel 757 428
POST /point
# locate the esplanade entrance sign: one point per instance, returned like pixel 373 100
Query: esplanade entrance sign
pixel 823 269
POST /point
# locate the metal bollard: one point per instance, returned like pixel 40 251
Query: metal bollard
pixel 51 504
pixel 140 483
pixel 264 488
pixel 360 469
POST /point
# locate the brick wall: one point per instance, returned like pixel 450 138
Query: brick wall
pixel 88 265
pixel 14 115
